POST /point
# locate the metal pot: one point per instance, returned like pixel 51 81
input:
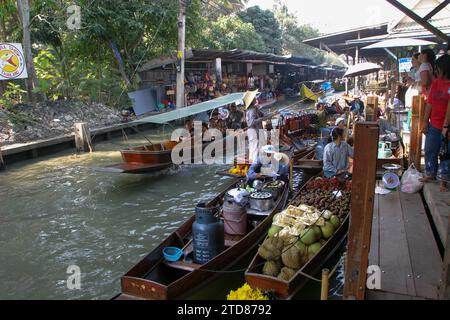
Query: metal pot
pixel 262 201
pixel 275 187
pixel 239 196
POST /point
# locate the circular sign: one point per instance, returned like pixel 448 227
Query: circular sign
pixel 12 62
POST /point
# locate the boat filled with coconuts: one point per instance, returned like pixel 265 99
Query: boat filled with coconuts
pixel 220 234
pixel 302 238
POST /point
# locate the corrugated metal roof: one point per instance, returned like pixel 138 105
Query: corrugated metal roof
pixel 230 56
pixel 414 26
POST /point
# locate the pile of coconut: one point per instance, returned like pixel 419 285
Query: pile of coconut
pixel 296 236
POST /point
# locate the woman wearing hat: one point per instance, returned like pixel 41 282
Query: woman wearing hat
pixel 255 118
pixel 272 164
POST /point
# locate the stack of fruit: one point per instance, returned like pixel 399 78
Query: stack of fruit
pixel 296 236
pixel 329 184
pixel 240 170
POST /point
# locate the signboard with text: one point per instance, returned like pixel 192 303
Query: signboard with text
pixel 405 64
pixel 12 62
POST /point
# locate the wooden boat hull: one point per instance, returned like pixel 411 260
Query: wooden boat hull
pixel 154 279
pixel 148 158
pixel 309 163
pixel 286 290
pixel 149 154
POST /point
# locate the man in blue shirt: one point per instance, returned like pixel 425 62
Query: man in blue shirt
pixel 336 154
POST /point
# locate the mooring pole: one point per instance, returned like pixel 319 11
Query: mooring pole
pixel 325 284
pixel 2 162
pixel 361 214
pixel 83 141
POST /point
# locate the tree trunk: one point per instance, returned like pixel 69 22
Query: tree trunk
pixel 24 10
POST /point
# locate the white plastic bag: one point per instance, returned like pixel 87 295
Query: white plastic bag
pixel 411 180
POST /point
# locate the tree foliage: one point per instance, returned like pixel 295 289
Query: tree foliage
pixel 266 25
pixel 84 63
pixel 230 32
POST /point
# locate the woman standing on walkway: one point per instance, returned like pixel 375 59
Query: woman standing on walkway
pixel 427 59
pixel 435 114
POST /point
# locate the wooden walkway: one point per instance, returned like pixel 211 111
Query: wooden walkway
pixel 439 205
pixel 403 246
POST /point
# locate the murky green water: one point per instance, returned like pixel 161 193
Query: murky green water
pixel 58 212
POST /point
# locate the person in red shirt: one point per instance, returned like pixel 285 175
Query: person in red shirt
pixel 435 114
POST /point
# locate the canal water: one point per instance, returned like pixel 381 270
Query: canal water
pixel 57 212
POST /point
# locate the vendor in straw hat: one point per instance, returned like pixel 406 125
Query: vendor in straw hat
pixel 270 164
pixel 255 119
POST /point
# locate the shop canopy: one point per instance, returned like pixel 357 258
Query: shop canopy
pixel 399 42
pixel 362 69
pixel 193 110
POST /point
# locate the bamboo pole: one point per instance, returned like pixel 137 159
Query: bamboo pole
pixel 325 284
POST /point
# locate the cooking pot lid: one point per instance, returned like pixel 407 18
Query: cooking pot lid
pixel 238 192
pixel 261 195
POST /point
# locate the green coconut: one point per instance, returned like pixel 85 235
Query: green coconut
pixel 302 248
pixel 287 274
pixel 318 232
pixel 327 230
pixel 274 230
pixel 272 268
pixel 270 250
pixel 334 220
pixel 292 258
pixel 308 236
pixel 314 248
pixel 275 217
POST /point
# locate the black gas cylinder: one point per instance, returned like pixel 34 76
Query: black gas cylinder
pixel 208 233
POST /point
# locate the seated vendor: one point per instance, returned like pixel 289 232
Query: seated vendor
pixel 336 155
pixel 270 163
pixel 236 119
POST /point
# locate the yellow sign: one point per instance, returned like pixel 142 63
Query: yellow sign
pixel 12 62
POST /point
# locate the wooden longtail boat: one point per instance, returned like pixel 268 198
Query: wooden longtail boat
pixel 154 278
pixel 286 290
pixel 307 93
pixel 148 158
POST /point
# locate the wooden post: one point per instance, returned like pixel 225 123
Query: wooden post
pixel 371 108
pixel 2 162
pixel 418 112
pixel 325 287
pixel 361 214
pixel 83 141
pixel 444 291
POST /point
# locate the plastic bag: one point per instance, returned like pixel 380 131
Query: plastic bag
pixel 411 180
